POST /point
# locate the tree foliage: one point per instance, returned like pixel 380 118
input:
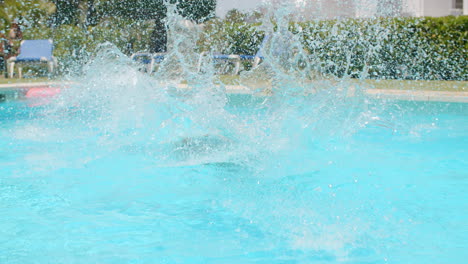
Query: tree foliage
pixel 235 16
pixel 91 12
pixel 31 13
pixel 67 12
pixel 390 48
pixel 196 10
pixel 132 25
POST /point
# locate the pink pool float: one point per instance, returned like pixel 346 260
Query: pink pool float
pixel 43 92
pixel 42 95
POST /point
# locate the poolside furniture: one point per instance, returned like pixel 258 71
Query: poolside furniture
pixel 226 59
pixel 237 59
pixel 33 52
pixel 148 59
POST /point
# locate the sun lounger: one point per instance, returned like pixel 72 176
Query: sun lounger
pixel 237 59
pixel 224 58
pixel 33 52
pixel 148 59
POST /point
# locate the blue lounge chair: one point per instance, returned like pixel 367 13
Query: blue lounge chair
pixel 237 59
pixel 226 59
pixel 148 59
pixel 33 52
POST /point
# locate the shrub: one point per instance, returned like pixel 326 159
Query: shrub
pixel 387 48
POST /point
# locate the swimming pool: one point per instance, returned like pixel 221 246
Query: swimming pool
pixel 233 179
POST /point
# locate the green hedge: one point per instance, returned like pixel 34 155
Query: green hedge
pixel 386 48
pixel 230 38
pixel 426 49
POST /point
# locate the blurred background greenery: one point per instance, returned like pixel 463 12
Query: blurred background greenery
pixel 380 48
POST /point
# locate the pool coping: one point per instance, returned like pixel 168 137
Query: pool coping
pixel 427 96
pixel 18 90
pixel 28 85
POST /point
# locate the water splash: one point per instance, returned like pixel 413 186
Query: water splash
pixel 175 148
pixel 185 114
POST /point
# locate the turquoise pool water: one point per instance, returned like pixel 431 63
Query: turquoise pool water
pixel 261 182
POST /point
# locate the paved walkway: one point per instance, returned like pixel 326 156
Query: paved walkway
pixel 28 85
pixel 411 95
pixel 19 89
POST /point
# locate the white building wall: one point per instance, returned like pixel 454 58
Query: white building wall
pixel 414 8
pixel 326 9
pixel 307 9
pixel 366 8
pixel 435 8
pixel 304 9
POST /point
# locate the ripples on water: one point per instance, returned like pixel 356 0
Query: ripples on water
pixel 123 167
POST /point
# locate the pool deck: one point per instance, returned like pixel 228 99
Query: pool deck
pixel 427 96
pixel 19 90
